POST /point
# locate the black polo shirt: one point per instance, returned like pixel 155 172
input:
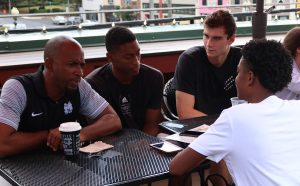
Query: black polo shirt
pixel 41 112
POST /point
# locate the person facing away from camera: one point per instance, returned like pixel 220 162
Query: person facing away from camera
pixel 259 141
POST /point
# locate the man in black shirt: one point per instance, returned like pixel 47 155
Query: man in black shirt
pixel 32 106
pixel 204 76
pixel 133 89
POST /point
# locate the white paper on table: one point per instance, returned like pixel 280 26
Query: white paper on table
pixel 95 147
pixel 188 139
pixel 201 128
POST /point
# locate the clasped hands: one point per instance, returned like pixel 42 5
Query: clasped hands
pixel 54 139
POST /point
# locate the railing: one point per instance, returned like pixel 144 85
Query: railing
pixel 191 19
pixel 168 20
pixel 145 10
pixel 146 30
pixel 22 40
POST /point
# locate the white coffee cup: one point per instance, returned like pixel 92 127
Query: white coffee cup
pixel 70 138
pixel 237 101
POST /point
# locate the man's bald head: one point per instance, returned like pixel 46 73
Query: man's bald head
pixel 64 61
pixel 55 44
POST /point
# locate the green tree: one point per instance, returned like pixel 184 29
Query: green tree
pixel 127 16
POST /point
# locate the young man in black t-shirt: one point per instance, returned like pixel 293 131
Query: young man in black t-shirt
pixel 204 76
pixel 133 89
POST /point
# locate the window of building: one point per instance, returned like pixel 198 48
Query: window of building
pixel 212 3
pixel 110 2
pixel 220 2
pixel 146 5
pixel 204 2
pixel 183 11
pixel 237 2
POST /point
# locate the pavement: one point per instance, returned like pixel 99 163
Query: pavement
pixel 31 22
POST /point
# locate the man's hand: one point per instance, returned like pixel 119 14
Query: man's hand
pixel 54 139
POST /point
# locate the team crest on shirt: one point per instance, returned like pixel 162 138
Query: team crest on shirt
pixel 68 108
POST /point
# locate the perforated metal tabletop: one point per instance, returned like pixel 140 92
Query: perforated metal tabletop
pixel 130 162
pixel 187 124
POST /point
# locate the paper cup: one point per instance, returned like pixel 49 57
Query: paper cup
pixel 70 139
pixel 237 101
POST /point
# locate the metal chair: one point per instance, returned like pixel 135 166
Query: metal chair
pixel 169 102
pixel 209 178
pixel 170 113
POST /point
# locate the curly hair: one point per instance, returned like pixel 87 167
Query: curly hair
pixel 221 18
pixel 270 62
pixel 292 40
pixel 117 36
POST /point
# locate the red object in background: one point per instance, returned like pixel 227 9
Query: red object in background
pixel 160 11
pixel 3 11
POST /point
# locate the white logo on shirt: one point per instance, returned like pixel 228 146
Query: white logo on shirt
pixel 35 114
pixel 68 107
pixel 124 100
pixel 125 107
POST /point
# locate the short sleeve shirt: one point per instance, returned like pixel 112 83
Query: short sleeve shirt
pixel 211 86
pixel 145 92
pixel 13 102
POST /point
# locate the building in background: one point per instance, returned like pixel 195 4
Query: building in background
pixel 97 5
pixel 283 15
pixel 205 7
pixel 211 3
pixel 168 13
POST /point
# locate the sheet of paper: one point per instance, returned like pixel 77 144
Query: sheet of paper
pixel 177 137
pixel 188 139
pixel 95 147
pixel 201 128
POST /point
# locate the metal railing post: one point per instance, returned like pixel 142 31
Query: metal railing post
pixel 259 21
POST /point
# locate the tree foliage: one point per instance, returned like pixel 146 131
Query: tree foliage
pixel 128 16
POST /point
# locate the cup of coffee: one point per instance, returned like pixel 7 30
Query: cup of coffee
pixel 237 101
pixel 70 139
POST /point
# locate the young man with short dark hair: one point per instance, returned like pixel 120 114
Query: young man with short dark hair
pixel 204 76
pixel 259 141
pixel 133 89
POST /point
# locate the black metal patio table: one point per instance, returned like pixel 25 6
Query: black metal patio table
pixel 130 162
pixel 178 126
